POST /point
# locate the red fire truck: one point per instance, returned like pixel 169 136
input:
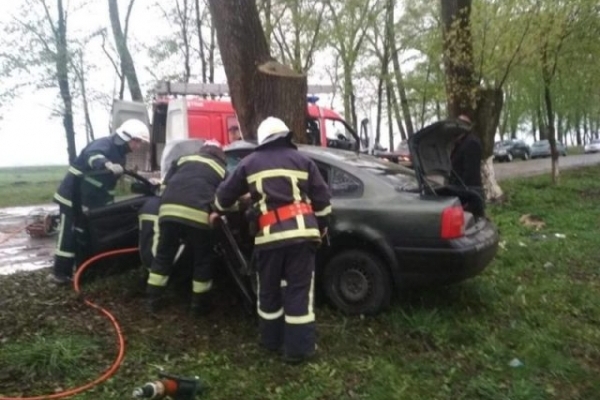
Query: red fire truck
pixel 196 110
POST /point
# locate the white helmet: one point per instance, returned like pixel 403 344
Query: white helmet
pixel 133 129
pixel 271 129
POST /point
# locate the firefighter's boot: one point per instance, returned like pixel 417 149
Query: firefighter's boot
pixel 201 304
pixel 154 298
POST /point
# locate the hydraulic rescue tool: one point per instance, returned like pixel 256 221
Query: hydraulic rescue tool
pixel 176 387
pixel 41 223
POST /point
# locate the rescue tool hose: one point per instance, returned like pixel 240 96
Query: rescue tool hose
pixel 121 340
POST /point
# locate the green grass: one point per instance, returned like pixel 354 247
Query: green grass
pixel 538 302
pixel 22 186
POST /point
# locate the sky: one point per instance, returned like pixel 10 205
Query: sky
pixel 32 136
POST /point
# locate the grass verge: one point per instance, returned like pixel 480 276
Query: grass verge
pixel 25 186
pixel 527 328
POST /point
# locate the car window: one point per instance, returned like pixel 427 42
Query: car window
pixel 596 141
pixel 341 183
pixel 541 143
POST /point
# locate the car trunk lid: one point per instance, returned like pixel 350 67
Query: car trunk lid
pixel 431 148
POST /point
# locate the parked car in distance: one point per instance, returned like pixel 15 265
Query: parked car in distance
pixel 592 147
pixel 508 150
pixel 541 149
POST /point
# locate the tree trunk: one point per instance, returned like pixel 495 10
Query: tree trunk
pixel 392 94
pixel 184 20
pixel 464 94
pixel 551 131
pixel 487 117
pixel 80 72
pixel 62 75
pixel 211 54
pixel 124 55
pixel 425 100
pixel 534 127
pixel 388 91
pixel 458 57
pixel 402 92
pixel 260 86
pixel 379 106
pixel 200 39
pixel 347 95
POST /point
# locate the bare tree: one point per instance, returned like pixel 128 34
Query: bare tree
pixel 127 65
pixel 260 86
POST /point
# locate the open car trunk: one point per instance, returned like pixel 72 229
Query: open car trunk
pixel 431 148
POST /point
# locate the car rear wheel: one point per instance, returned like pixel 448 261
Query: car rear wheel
pixel 357 282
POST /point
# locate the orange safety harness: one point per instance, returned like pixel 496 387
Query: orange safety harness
pixel 283 213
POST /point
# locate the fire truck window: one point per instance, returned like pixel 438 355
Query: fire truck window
pixel 336 130
pixel 313 132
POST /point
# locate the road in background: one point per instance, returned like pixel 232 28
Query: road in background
pixel 542 165
pixel 19 252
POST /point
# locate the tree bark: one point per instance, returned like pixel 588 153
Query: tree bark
pixel 551 132
pixel 184 20
pixel 127 64
pixel 487 117
pixel 260 86
pixel 458 57
pixel 62 75
pixel 80 72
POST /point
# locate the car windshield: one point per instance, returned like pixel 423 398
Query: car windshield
pixel 541 143
pixel 504 143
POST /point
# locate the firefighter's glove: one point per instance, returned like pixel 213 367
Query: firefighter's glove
pixel 116 169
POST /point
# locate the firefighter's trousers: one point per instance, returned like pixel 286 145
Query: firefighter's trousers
pixel 286 280
pixel 64 255
pixel 199 240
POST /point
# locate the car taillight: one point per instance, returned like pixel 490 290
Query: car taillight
pixel 453 222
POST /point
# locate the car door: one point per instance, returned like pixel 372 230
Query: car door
pixel 114 225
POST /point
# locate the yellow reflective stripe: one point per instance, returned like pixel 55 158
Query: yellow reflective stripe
pixel 64 254
pixel 92 182
pixel 175 210
pixel 270 316
pixel 62 200
pixel 283 283
pixel 262 204
pixel 214 165
pixel 154 219
pixel 289 234
pixel 155 240
pixel 277 173
pixel 234 207
pixel 75 171
pixel 310 315
pixel 261 313
pixel 324 212
pixel 201 287
pixel 94 157
pixel 157 280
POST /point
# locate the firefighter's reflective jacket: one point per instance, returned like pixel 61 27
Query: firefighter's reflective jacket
pixel 99 189
pixel 280 178
pixel 190 187
pixel 149 232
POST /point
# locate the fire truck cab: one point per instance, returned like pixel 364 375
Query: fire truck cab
pixel 182 111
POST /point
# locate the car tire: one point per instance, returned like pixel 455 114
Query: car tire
pixel 357 282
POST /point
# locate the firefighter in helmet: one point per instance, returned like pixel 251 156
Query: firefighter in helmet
pixel 183 216
pixel 108 154
pixel 292 203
